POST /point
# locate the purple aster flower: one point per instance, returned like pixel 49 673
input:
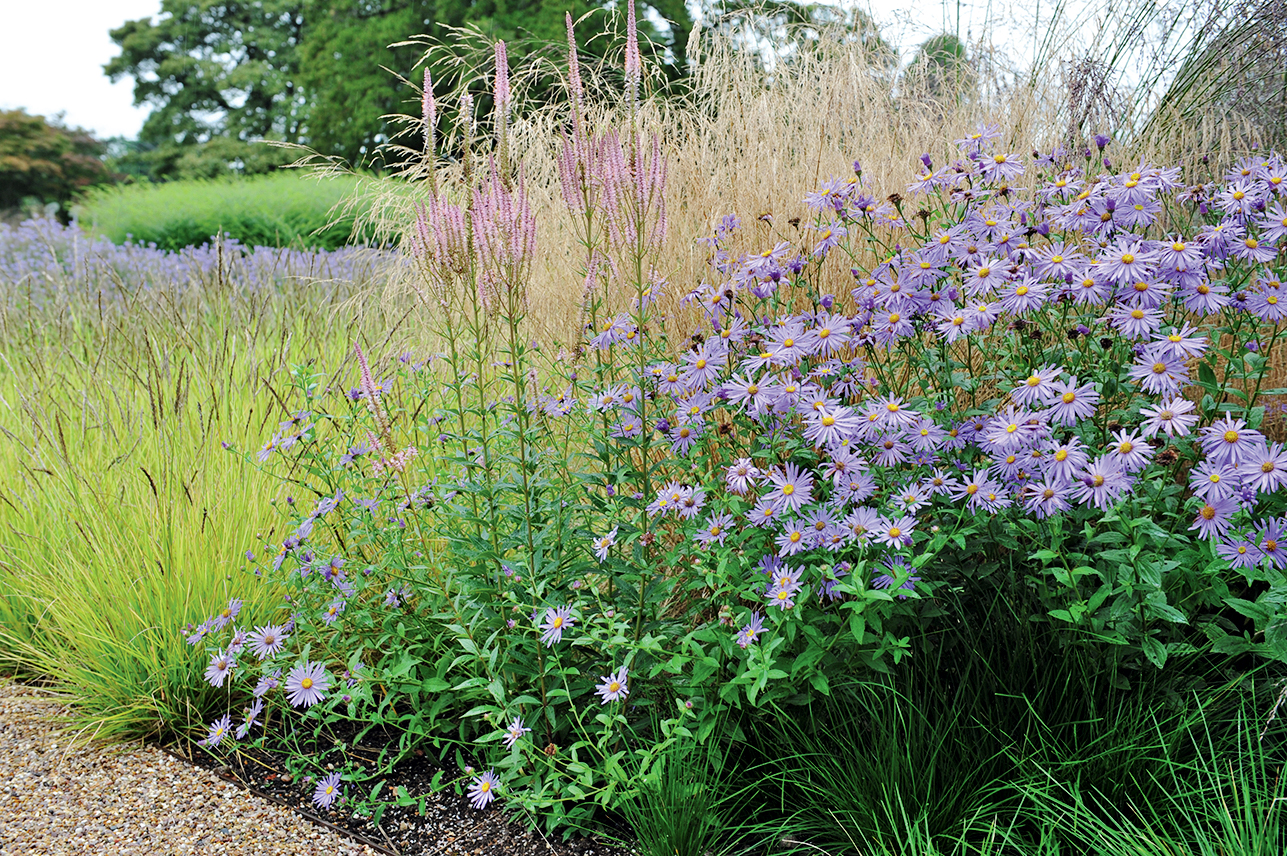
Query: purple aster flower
pixel 896 533
pixel 792 488
pixel 829 237
pixel 267 641
pixel 1268 306
pixel 703 364
pixel 1269 539
pixel 1265 467
pixel 1036 387
pixel 892 410
pixel 1159 372
pixel 1056 262
pixel 1175 417
pixel 1068 402
pixel 765 513
pixel 714 530
pixel 226 615
pixel 1013 429
pixel 1101 483
pixel 483 790
pixel 219 729
pixel 782 593
pixel 333 610
pixel 328 791
pixel 252 714
pixel 221 666
pixel 755 395
pixel 741 476
pixel 1046 498
pixel 751 632
pixel 1125 262
pixel 556 621
pixel 1181 343
pixel 1229 441
pixel 1130 450
pixel 1210 481
pixel 691 501
pixel 1213 518
pixel 860 523
pixel 1001 167
pixel 267 683
pixel 1240 554
pixel 515 732
pixel 605 543
pixel 793 539
pixel 614 687
pixel 1135 322
pixel 830 426
pixel 307 684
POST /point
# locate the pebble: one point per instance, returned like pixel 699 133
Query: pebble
pixel 61 800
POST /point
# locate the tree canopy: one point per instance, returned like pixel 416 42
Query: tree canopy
pixel 45 161
pixel 220 74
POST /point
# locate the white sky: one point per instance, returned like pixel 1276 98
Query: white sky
pixel 52 51
pixel 51 60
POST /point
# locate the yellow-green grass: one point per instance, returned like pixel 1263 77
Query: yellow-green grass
pixel 122 518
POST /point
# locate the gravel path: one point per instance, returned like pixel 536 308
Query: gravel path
pixel 86 801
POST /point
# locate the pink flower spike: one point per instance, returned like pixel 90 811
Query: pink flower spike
pixel 634 65
pixel 501 93
pixel 429 112
pixel 574 64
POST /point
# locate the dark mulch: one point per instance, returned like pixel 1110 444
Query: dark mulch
pixel 448 824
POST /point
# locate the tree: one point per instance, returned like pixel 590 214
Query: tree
pixel 310 71
pixel 45 160
pixel 940 69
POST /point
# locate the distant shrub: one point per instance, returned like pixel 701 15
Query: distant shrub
pixel 278 210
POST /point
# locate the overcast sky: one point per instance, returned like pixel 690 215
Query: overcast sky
pixel 52 51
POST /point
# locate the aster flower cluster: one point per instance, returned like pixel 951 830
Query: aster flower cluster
pixel 1096 303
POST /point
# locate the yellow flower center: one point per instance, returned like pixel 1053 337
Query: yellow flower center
pixel 828 421
pixel 1231 436
pixel 795 537
pixel 1069 398
pixel 984 271
pixel 1208 512
pixel 894 318
pixel 788 489
pixel 1137 314
pixel 895 532
pixel 1061 455
pixel 1159 368
pixel 1128 258
pixel 1057 259
pixel 307 683
pixel 1179 246
pixel 701 364
pixel 1021 290
pixel 1251 243
pixel 790 343
pixel 1126 448
pixel 1098 480
pixel 1267 467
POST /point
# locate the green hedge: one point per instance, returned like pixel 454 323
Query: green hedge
pixel 278 210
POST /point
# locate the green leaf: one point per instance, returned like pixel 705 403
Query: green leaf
pixel 1155 651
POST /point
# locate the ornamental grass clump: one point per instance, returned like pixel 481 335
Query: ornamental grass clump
pixel 575 557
